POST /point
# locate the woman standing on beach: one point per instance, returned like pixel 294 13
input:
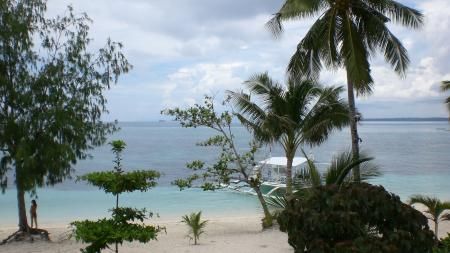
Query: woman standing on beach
pixel 33 213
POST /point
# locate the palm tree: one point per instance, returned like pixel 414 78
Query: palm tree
pixel 302 112
pixel 346 34
pixel 435 209
pixel 195 224
pixel 338 173
pixel 445 86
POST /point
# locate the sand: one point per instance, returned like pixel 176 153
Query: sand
pixel 223 235
pixel 231 234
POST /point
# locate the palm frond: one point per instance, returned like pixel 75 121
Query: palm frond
pixel 276 202
pixel 294 9
pixel 445 86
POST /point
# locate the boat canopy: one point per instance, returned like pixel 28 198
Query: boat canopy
pixel 282 161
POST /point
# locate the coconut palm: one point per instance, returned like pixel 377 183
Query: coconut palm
pixel 445 86
pixel 435 209
pixel 302 112
pixel 346 34
pixel 196 225
pixel 338 173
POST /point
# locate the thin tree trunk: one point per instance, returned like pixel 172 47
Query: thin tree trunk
pixel 23 222
pixel 117 206
pixel 290 159
pixel 436 229
pixel 267 215
pixel 353 128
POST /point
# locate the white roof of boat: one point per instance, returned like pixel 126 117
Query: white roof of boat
pixel 282 161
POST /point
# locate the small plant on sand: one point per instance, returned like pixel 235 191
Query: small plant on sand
pixel 436 210
pixel 126 224
pixel 196 225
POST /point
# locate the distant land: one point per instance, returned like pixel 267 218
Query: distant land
pixel 406 119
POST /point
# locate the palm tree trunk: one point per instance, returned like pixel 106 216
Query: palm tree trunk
pixel 290 159
pixel 267 215
pixel 23 222
pixel 436 229
pixel 353 128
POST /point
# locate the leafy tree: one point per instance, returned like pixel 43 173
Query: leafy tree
pixel 435 209
pixel 347 34
pixel 445 86
pixel 356 217
pixel 230 161
pixel 126 224
pixel 196 225
pixel 51 95
pixel 302 112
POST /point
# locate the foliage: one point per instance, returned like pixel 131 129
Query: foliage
pixel 230 162
pixel 112 182
pixel 121 227
pixel 196 225
pixel 357 217
pixel 338 173
pixel 301 112
pixel 443 246
pixel 51 94
pixel 126 224
pixel 435 209
pixel 346 34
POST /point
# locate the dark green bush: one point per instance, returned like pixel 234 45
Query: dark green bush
pixel 355 218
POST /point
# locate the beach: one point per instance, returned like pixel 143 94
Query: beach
pixel 238 234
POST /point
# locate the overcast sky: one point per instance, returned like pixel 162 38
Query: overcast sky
pixel 182 49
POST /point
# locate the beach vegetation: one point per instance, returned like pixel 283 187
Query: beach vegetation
pixel 51 97
pixel 337 173
pixel 437 210
pixel 356 217
pixel 125 224
pixel 346 34
pixel 231 163
pixel 443 245
pixel 300 112
pixel 196 225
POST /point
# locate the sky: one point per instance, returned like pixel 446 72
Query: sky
pixel 184 49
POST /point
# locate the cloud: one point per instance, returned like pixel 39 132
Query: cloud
pixel 183 49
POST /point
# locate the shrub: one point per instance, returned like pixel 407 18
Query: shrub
pixel 355 218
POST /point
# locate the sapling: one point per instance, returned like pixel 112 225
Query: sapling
pixel 126 223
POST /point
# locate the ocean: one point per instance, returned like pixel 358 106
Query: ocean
pixel 414 158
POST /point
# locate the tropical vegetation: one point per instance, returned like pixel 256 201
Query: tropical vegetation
pixel 230 162
pixel 346 34
pixel 126 223
pixel 300 112
pixel 51 96
pixel 195 224
pixel 356 217
pixel 437 211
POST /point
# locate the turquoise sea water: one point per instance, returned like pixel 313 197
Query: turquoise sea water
pixel 413 156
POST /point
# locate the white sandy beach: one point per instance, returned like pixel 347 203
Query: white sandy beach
pixel 231 234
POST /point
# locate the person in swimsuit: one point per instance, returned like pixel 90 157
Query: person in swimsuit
pixel 33 213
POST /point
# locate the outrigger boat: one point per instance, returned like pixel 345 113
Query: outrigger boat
pixel 272 173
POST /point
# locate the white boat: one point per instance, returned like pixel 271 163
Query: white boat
pixel 272 172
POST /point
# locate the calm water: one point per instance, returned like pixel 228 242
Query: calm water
pixel 414 158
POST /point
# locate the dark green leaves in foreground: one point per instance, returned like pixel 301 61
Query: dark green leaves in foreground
pixel 355 218
pixel 112 182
